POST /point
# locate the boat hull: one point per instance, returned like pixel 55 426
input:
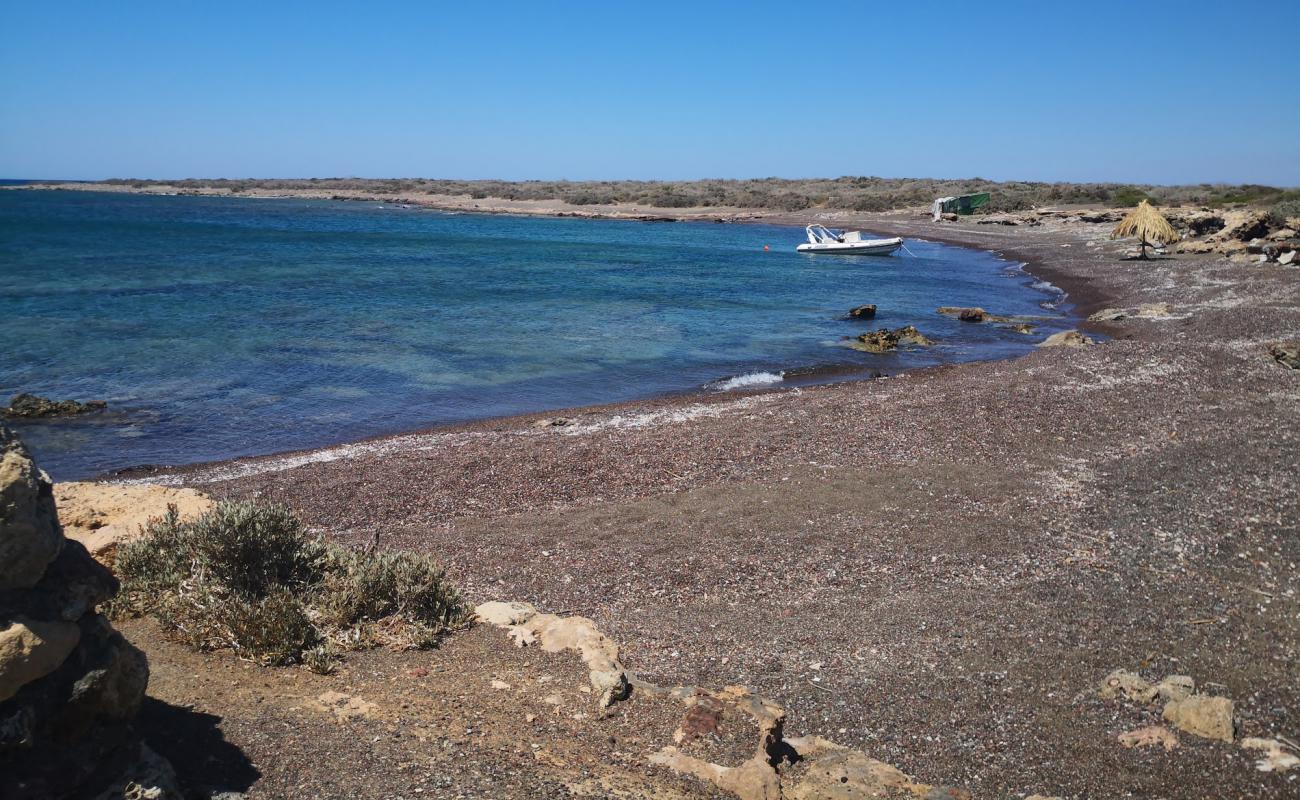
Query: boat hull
pixel 871 247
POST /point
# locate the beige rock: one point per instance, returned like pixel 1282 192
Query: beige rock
pixel 1286 353
pixel 834 772
pixel 753 780
pixel 30 537
pixel 1202 715
pixel 31 649
pixel 1150 736
pixel 526 626
pixel 1108 315
pixel 1150 310
pixel 1122 683
pixel 1067 339
pixel 1276 757
pixel 503 614
pixel 102 516
pixel 1174 687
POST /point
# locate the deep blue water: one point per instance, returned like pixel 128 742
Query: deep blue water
pixel 222 327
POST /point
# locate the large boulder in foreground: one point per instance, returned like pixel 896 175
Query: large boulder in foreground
pixel 70 685
pixel 30 537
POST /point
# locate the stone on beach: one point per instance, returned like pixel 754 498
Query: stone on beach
pixel 1067 339
pixel 1287 354
pixel 1276 758
pixel 1150 736
pixel 1202 715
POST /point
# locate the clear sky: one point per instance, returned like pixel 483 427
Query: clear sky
pixel 1142 91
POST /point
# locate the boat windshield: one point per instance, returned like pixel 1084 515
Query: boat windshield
pixel 819 234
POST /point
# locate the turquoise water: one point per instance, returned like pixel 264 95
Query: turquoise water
pixel 220 327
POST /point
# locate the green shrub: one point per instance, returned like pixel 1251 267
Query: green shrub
pixel 1287 207
pixel 1128 197
pixel 247 577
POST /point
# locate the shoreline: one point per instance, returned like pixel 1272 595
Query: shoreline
pixel 938 568
pixel 691 402
pixel 1076 296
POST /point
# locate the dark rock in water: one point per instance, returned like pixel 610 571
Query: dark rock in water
pixel 70 685
pixel 863 312
pixel 964 314
pixel 33 406
pixel 884 339
pixel 1287 354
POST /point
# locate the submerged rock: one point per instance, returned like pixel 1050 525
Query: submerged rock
pixel 32 406
pixel 863 312
pixel 1019 327
pixel 965 314
pixel 885 339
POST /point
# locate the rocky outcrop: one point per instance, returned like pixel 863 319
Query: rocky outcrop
pixel 103 516
pixel 863 312
pixel 33 406
pixel 884 339
pixel 30 537
pixel 70 685
pixel 766 764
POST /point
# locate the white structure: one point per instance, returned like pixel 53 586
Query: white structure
pixel 823 240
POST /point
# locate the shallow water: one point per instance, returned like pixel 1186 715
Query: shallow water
pixel 220 327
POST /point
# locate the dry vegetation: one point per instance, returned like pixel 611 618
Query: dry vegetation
pixel 849 193
pixel 247 577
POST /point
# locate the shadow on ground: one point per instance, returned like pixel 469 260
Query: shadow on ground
pixel 196 747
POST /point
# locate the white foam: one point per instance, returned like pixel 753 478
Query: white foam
pixel 747 380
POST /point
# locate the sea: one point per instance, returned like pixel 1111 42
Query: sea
pixel 220 327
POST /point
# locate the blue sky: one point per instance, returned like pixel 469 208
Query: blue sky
pixel 1162 92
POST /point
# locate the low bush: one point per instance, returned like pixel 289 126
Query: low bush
pixel 248 577
pixel 1287 207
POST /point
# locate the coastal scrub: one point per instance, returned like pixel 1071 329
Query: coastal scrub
pixel 248 577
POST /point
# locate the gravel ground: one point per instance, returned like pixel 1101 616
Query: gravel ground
pixel 937 567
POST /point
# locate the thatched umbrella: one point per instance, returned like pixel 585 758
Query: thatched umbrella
pixel 1147 224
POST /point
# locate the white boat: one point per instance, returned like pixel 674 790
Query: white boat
pixel 846 243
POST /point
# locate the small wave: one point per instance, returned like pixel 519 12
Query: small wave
pixel 1058 294
pixel 747 380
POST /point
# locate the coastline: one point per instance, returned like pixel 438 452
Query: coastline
pixel 939 567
